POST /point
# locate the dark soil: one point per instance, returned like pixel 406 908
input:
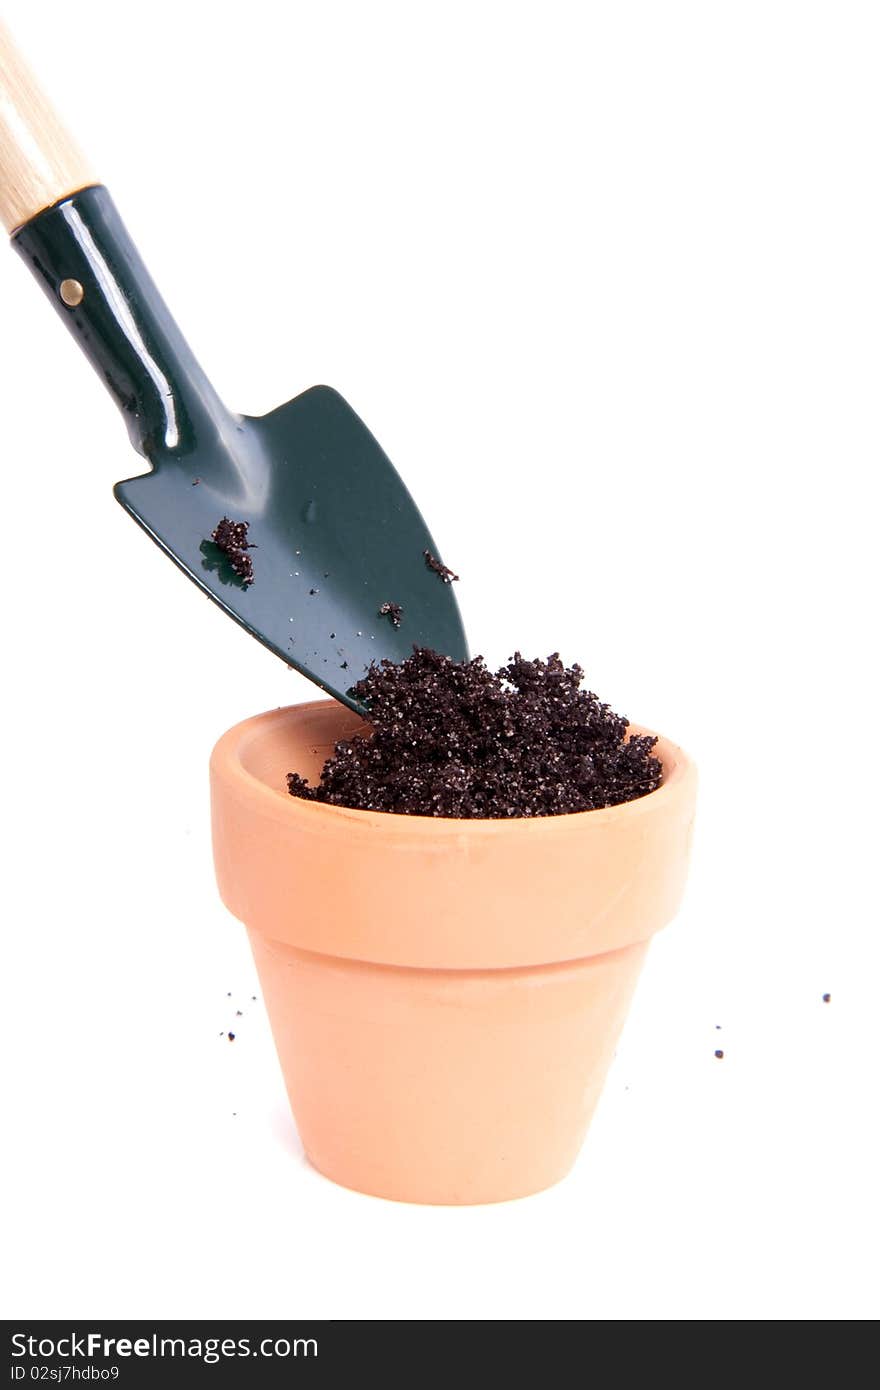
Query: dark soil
pixel 393 612
pixel 443 571
pixel 231 538
pixel 452 739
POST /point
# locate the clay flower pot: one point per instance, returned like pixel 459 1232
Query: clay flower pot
pixel 445 995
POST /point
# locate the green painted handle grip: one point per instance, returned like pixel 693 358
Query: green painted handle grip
pixel 90 269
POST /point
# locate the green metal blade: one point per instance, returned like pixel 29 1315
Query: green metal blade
pixel 336 536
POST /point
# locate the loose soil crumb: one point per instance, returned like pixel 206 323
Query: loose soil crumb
pixel 231 537
pixel 452 739
pixel 393 612
pixel 231 1037
pixel 444 572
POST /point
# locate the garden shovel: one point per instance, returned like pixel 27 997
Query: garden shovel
pixel 335 567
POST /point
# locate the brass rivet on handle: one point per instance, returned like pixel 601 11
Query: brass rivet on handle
pixel 72 293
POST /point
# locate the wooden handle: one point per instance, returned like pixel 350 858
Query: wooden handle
pixel 39 163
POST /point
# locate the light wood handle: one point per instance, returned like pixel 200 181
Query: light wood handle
pixel 39 162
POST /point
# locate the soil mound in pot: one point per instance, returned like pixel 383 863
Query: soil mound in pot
pixel 452 738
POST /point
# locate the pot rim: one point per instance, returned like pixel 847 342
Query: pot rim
pixel 227 763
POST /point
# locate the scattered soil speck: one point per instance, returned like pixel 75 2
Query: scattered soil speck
pixel 450 738
pixel 231 1037
pixel 393 612
pixel 826 998
pixel 441 570
pixel 719 1054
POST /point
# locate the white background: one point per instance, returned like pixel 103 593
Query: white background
pixel 604 280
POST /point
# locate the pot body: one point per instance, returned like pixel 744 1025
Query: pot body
pixel 445 996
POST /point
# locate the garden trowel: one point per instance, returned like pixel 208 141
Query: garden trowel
pixel 324 557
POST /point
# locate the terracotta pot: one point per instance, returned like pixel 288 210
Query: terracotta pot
pixel 445 995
